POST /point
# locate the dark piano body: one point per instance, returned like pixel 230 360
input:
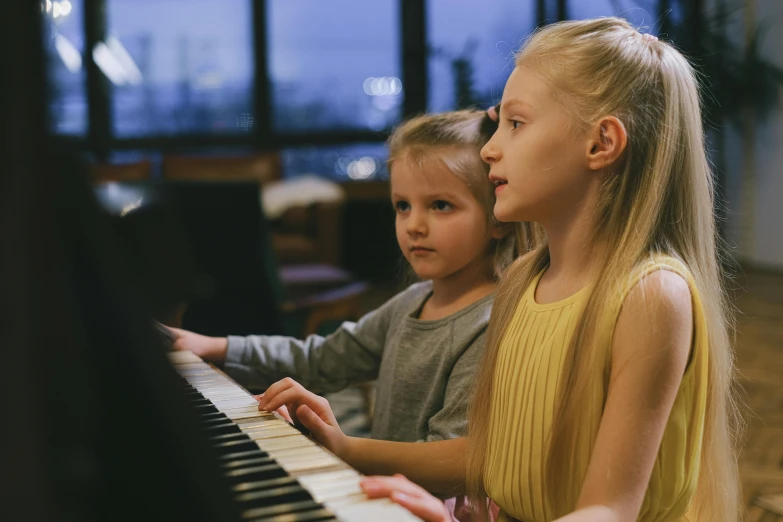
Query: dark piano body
pixel 98 425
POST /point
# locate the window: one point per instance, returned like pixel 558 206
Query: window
pixel 181 74
pixel 334 65
pixel 358 162
pixel 179 67
pixel 471 49
pixel 64 33
pixel 642 14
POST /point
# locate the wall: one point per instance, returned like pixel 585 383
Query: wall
pixel 754 157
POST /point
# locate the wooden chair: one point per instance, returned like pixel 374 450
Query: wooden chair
pixel 768 508
pixel 303 235
pixel 105 172
pixel 259 168
pixel 217 232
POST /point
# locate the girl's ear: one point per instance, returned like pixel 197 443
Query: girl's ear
pixel 606 144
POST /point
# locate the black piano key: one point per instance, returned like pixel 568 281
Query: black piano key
pixel 212 416
pixel 227 437
pixel 256 473
pixel 273 496
pixel 320 515
pixel 237 445
pixel 204 409
pixel 230 454
pixel 221 429
pixel 304 431
pixel 216 420
pixel 254 461
pixel 243 454
pixel 264 484
pixel 281 509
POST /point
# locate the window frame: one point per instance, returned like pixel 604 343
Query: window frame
pixel 100 141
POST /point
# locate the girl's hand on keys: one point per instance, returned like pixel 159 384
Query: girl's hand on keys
pixel 411 496
pixel 308 409
pixel 282 410
pixel 211 349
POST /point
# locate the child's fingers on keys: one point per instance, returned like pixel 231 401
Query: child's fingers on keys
pixel 321 407
pixel 312 421
pixel 293 396
pixel 427 508
pixel 376 488
pixel 286 397
pixel 284 412
pixel 411 496
pixel 379 486
pixel 275 389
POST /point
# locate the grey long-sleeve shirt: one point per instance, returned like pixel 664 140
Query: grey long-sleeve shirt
pixel 424 369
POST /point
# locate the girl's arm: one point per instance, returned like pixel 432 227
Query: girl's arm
pixel 437 466
pixel 650 350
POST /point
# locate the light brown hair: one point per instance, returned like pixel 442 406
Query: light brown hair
pixel 659 200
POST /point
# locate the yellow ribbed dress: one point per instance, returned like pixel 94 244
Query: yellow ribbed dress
pixel 527 373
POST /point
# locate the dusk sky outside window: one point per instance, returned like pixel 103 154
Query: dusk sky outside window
pixel 179 68
pixel 335 64
pixel 195 61
pixel 64 44
pixel 641 13
pixel 484 35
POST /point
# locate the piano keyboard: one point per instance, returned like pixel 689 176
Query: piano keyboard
pixel 277 474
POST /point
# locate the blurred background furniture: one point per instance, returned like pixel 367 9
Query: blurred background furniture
pixel 203 259
pixel 136 171
pixel 766 509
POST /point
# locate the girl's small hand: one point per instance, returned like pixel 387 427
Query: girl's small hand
pixel 308 409
pixel 282 410
pixel 411 496
pixel 208 348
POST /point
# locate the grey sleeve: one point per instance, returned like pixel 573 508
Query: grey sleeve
pixel 452 420
pixel 321 364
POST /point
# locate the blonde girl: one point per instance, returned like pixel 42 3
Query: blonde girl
pixel 605 391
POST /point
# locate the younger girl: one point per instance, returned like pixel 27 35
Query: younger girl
pixel 604 394
pixel 424 345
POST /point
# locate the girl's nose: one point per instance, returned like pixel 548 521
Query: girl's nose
pixel 417 223
pixel 490 152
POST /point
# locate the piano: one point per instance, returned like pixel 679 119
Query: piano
pixel 98 427
pixel 275 472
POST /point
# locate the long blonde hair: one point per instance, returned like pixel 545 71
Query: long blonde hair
pixel 659 201
pixel 454 139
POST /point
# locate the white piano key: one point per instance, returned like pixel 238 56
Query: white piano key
pixel 182 357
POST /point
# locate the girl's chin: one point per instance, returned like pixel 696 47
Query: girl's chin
pixel 509 215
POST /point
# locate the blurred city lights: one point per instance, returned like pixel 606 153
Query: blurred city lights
pixel 57 9
pixel 116 63
pixel 68 53
pixel 362 168
pixel 382 86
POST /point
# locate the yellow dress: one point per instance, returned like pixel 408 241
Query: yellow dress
pixel 529 364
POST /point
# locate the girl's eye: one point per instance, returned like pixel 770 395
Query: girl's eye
pixel 442 206
pixel 515 124
pixel 402 206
